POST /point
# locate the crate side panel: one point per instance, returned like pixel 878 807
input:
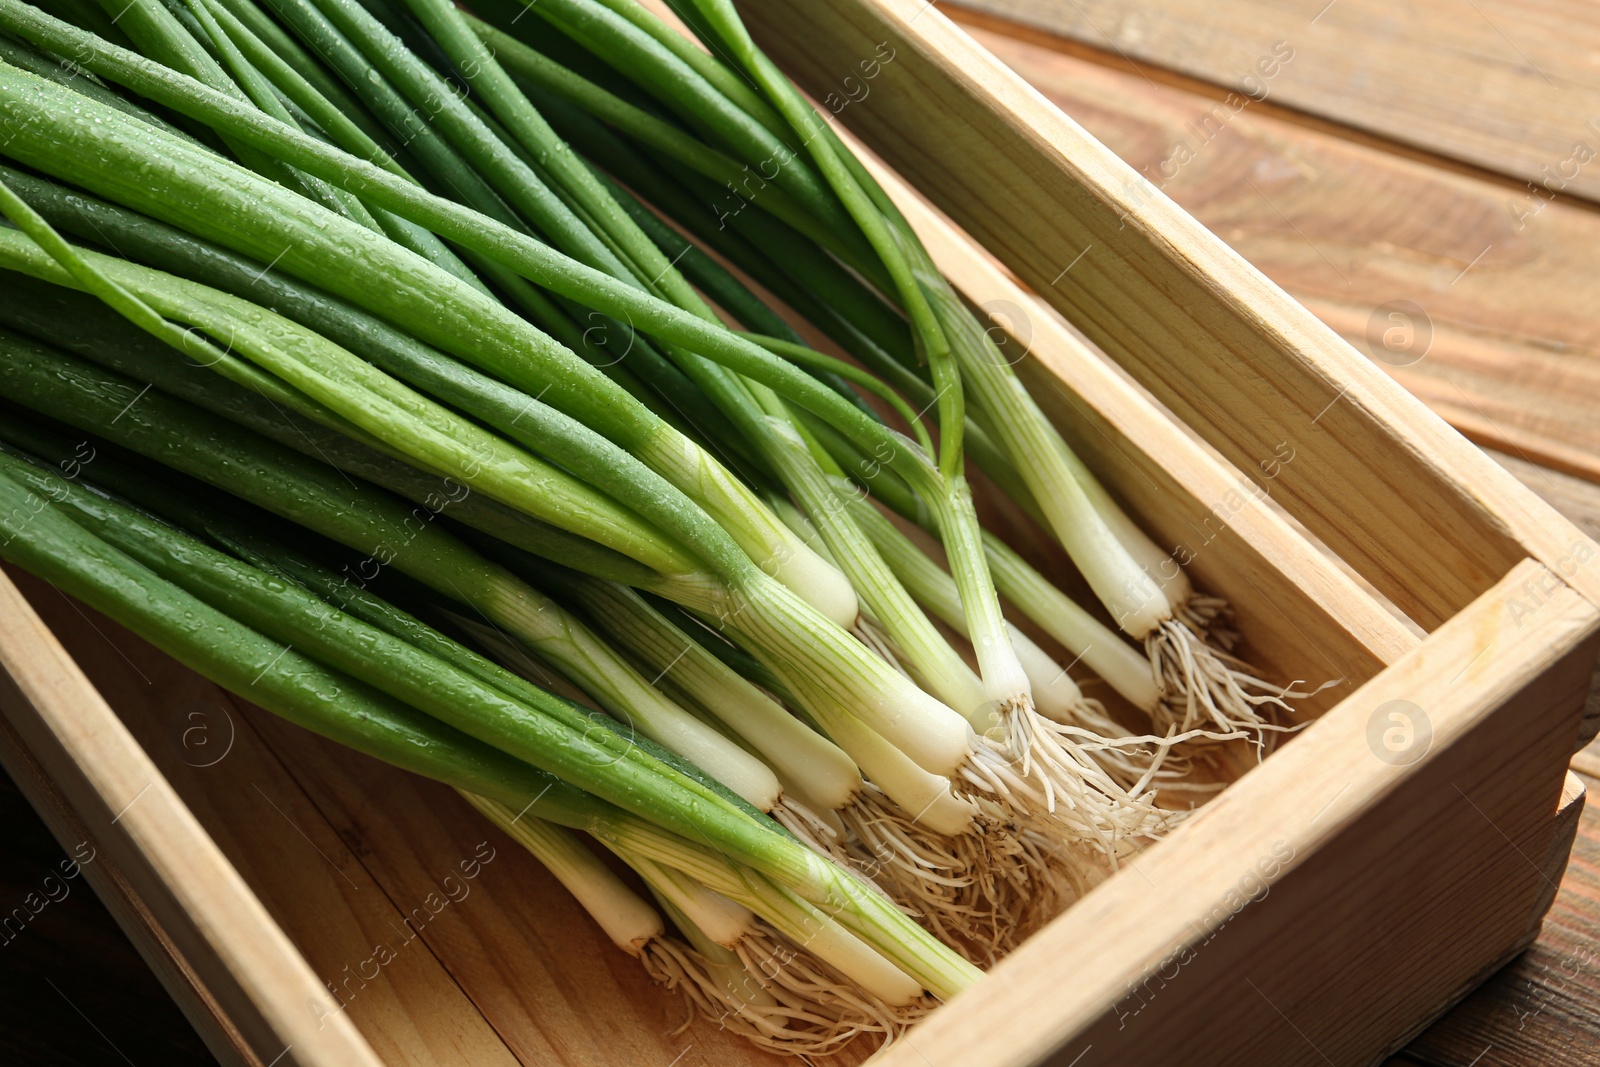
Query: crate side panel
pixel 156 944
pixel 1408 911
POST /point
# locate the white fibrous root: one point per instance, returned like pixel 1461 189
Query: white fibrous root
pixel 1214 693
pixel 813 831
pixel 1045 776
pixel 1140 763
pixel 1210 618
pixel 980 892
pixel 777 994
pixel 916 866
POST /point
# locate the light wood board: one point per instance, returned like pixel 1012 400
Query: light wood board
pixel 1507 85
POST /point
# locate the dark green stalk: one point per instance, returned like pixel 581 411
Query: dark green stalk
pixel 452 176
pixel 41 540
pixel 336 125
pixel 513 180
pixel 87 13
pixel 513 413
pixel 351 263
pixel 259 91
pixel 309 374
pixel 535 70
pixel 59 70
pixel 933 346
pixel 556 737
pixel 327 85
pixel 86 327
pixel 416 665
pixel 640 57
pixel 723 289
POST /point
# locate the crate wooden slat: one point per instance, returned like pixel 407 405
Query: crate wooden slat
pixel 1395 886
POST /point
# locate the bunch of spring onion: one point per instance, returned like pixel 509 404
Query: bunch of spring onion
pixel 403 280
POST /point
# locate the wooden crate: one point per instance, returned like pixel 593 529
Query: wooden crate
pixel 1322 909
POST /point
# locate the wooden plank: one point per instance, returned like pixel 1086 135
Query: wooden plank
pixel 1507 85
pixel 1401 497
pixel 222 941
pixel 1579 501
pixel 317 892
pixel 1324 828
pixel 1501 340
pixel 1543 1010
pixel 1576 498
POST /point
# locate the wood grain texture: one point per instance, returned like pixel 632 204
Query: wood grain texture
pixel 1543 1010
pixel 1576 498
pixel 1502 340
pixel 1211 984
pixel 1508 85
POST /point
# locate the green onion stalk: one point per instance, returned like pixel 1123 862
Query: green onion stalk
pixel 769 422
pixel 1025 737
pixel 587 333
pixel 57 317
pixel 765 979
pixel 1038 599
pixel 1204 688
pixel 936 665
pixel 730 846
pixel 810 767
pixel 87 328
pixel 514 109
pixel 428 553
pixel 199 192
pixel 909 722
pixel 1004 685
pixel 538 622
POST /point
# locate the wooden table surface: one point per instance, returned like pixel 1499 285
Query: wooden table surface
pixel 1424 177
